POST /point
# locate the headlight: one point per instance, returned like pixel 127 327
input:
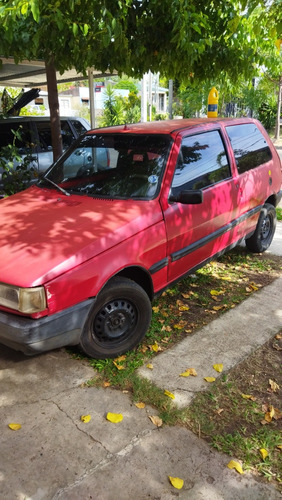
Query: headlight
pixel 25 300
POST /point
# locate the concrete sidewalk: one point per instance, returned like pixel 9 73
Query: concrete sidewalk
pixel 56 456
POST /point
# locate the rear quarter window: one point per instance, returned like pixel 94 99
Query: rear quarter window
pixel 249 146
pixel 79 128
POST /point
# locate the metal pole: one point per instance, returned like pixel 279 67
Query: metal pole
pixel 170 98
pixel 144 98
pixel 91 98
pixel 150 95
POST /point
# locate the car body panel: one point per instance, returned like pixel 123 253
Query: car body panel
pixel 48 234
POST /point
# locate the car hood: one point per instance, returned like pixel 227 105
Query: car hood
pixel 44 233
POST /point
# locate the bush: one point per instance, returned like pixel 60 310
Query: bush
pixel 17 171
pixel 267 115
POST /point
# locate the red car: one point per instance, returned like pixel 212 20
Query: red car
pixel 123 214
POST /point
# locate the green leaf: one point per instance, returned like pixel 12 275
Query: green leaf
pixel 74 29
pixel 197 28
pixel 24 8
pixel 35 10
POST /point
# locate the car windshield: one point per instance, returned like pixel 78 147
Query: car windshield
pixel 117 166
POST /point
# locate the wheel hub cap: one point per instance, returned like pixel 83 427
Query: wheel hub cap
pixel 115 320
pixel 265 228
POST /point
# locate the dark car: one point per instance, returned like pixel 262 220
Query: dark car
pixel 34 138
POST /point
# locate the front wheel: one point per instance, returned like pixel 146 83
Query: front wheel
pixel 118 320
pixel 263 235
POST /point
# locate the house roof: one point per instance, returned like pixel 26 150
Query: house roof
pixel 28 74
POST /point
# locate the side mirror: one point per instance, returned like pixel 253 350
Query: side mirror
pixel 189 197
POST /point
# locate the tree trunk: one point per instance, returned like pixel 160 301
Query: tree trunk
pixel 53 101
pixel 277 128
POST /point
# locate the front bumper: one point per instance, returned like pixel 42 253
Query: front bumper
pixel 32 336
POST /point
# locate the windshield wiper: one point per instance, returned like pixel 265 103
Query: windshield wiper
pixel 56 185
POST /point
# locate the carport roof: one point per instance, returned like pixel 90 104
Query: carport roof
pixel 28 74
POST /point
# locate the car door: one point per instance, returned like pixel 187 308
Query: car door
pixel 195 232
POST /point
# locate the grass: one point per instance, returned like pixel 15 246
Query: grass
pixel 240 426
pixel 279 213
pixel 221 415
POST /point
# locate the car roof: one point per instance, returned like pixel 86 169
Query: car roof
pixel 168 126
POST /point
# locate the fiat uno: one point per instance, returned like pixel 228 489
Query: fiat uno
pixel 85 250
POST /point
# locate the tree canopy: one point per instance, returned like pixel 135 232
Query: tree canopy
pixel 179 38
pixel 183 39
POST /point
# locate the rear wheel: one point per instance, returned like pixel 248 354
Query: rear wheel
pixel 118 320
pixel 263 235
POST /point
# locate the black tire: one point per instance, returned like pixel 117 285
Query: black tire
pixel 263 235
pixel 118 321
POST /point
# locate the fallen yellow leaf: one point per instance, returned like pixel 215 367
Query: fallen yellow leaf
pixel 166 328
pixel 85 418
pixel 150 366
pixel 157 421
pixel 169 394
pixel 155 347
pixel 140 405
pixel 183 308
pixel 218 367
pixel 217 292
pixel 269 414
pixel 188 372
pixel 176 482
pixel 15 427
pixel 209 379
pixel 178 326
pixel 273 386
pixel 248 396
pixel 279 447
pixel 114 417
pixel 120 358
pixel 218 308
pixel 235 465
pixel 156 309
pixel 264 453
pixel 119 367
pixel 106 384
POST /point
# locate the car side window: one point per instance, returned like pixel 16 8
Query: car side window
pixel 249 146
pixel 202 162
pixel 22 140
pixel 45 139
pixel 79 128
